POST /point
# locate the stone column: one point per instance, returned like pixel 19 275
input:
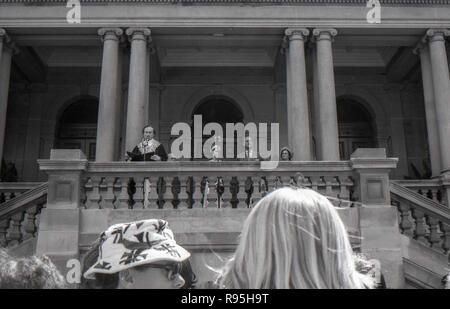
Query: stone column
pixel 299 138
pixel 279 93
pixel 328 133
pixel 441 85
pixel 37 96
pixel 5 69
pixel 430 109
pixel 107 126
pixel 137 83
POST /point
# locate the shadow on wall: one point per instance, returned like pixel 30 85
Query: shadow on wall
pixel 8 172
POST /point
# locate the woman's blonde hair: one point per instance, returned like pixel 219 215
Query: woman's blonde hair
pixel 293 238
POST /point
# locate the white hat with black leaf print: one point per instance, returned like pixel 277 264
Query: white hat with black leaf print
pixel 127 245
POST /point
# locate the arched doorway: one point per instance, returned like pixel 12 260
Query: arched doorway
pixel 218 109
pixel 356 127
pixel 77 127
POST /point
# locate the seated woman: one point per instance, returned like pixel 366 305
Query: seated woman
pixel 138 255
pixel 148 149
pixel 293 239
pixel 286 154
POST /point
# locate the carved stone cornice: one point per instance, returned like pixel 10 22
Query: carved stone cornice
pixel 284 2
pixel 110 34
pixel 139 34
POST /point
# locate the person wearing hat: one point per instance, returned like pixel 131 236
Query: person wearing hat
pixel 141 255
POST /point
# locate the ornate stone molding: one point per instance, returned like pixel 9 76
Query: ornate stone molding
pixel 110 33
pixel 139 34
pixel 324 34
pixel 284 2
pixel 437 34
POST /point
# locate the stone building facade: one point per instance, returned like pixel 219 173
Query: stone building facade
pixel 335 79
pixel 259 57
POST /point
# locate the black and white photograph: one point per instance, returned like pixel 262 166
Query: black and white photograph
pixel 234 147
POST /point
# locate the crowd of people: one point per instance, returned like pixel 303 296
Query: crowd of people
pixel 292 239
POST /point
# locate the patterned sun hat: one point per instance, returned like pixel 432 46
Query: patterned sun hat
pixel 127 245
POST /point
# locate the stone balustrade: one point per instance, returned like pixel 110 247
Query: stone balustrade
pixel 19 218
pixel 421 218
pixel 10 190
pixel 430 188
pixel 181 185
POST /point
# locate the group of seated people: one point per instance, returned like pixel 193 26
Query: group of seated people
pixel 292 239
pixel 149 149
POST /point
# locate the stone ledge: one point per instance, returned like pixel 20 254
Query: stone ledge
pixel 250 2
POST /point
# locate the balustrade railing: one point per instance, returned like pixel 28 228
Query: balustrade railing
pixel 19 217
pixel 430 188
pixel 178 185
pixel 421 218
pixel 10 190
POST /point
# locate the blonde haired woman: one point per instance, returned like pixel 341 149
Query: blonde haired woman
pixel 293 238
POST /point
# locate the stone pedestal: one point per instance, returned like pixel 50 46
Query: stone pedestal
pixel 381 238
pixel 58 235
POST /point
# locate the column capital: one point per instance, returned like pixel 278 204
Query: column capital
pixel 324 34
pixel 6 39
pixel 139 34
pixel 3 35
pixel 110 33
pixel 436 34
pixel 419 47
pixel 296 33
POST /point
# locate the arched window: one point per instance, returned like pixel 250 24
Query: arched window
pixel 218 109
pixel 77 127
pixel 356 127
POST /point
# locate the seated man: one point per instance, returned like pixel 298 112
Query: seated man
pixel 148 149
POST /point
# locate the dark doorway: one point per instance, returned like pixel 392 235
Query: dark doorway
pixel 221 110
pixel 356 127
pixel 77 127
